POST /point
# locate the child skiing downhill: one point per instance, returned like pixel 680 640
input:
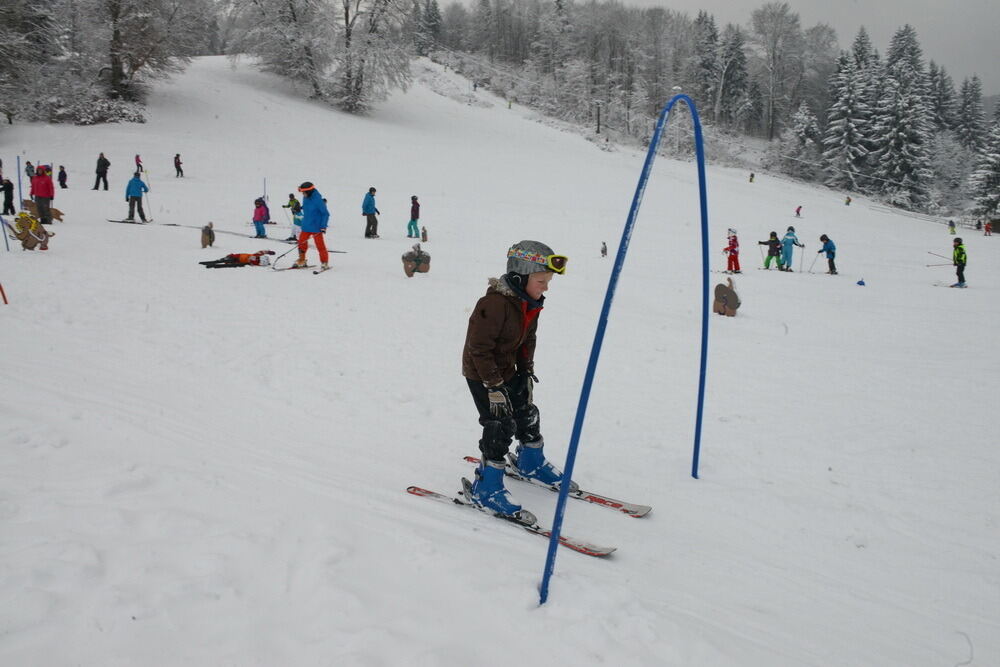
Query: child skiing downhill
pixel 732 252
pixel 259 218
pixel 498 364
pixel 788 244
pixel 831 253
pixel 315 217
pixel 988 229
pixel 773 251
pixel 959 259
pixel 951 227
pixel 412 228
pixel 798 212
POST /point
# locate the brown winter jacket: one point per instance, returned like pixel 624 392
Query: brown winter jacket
pixel 501 336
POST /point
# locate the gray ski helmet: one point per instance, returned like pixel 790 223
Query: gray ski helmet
pixel 791 229
pixel 523 266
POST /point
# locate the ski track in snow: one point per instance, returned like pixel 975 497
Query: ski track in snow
pixel 208 467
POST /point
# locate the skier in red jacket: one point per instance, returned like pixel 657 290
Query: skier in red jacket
pixel 732 252
pixel 43 192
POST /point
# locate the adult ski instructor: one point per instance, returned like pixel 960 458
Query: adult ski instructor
pixel 498 364
pixel 315 217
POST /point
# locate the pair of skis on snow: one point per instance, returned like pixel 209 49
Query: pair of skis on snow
pixel 299 268
pixel 532 526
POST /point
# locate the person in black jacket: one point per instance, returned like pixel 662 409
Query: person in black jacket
pixel 773 250
pixel 8 197
pixel 102 171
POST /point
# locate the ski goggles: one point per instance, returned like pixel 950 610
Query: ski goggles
pixel 554 263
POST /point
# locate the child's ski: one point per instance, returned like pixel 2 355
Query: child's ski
pixel 575 545
pixel 628 509
pixel 132 222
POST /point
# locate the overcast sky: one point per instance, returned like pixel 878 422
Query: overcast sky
pixel 962 35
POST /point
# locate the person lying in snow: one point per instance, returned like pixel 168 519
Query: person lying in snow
pixel 259 258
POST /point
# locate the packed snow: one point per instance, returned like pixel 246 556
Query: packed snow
pixel 208 467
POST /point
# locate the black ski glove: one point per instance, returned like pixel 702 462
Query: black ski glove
pixel 499 399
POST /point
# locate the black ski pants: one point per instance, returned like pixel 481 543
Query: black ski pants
pixel 960 272
pixel 525 423
pixel 101 176
pixel 133 202
pixel 44 206
pixel 371 226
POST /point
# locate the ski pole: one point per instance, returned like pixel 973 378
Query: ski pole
pixel 6 242
pixel 761 248
pixel 802 258
pixel 294 247
pixel 940 265
pixel 814 263
pixel 937 255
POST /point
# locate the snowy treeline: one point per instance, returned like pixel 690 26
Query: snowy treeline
pixel 891 126
pixel 87 61
pixel 351 53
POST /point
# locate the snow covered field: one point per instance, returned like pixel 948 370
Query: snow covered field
pixel 207 467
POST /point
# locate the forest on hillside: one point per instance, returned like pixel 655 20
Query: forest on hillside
pixel 894 125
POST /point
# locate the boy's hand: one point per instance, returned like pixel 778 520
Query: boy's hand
pixel 499 401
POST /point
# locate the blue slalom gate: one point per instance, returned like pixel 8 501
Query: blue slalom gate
pixel 602 323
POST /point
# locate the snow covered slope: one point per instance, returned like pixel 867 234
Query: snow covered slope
pixel 207 467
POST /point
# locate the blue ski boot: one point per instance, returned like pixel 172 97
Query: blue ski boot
pixel 489 493
pixel 529 462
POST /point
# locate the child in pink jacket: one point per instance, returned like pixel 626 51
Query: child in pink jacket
pixel 260 215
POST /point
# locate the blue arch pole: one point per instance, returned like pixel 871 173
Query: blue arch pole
pixel 595 351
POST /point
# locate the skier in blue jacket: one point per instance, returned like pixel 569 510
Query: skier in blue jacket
pixel 831 253
pixel 315 218
pixel 788 243
pixel 133 195
pixel 371 214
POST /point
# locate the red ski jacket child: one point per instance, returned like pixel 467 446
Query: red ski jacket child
pixel 733 253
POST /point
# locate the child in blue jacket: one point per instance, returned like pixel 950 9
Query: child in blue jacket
pixel 831 253
pixel 788 243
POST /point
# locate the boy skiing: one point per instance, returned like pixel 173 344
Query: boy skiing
pixel 62 177
pixel 831 253
pixel 798 211
pixel 732 252
pixel 773 251
pixel 788 244
pixel 178 170
pixel 951 227
pixel 959 259
pixel 412 230
pixel 498 364
pixel 315 217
